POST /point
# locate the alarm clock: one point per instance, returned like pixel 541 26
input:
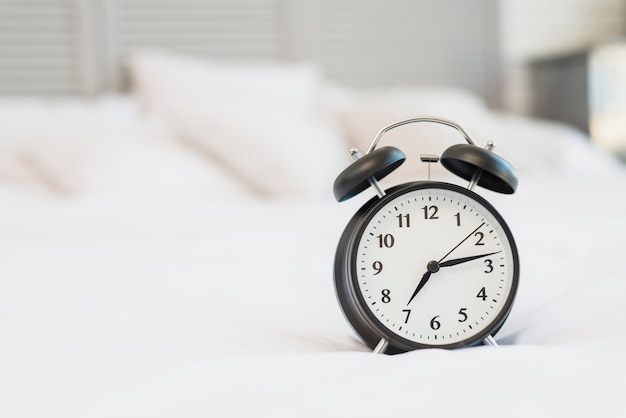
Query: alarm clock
pixel 426 264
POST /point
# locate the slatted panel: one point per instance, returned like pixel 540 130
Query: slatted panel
pixel 80 46
pixel 373 42
pixel 537 29
pixel 228 29
pixel 233 29
pixel 39 49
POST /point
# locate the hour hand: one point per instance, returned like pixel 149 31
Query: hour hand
pixel 433 267
pixel 456 261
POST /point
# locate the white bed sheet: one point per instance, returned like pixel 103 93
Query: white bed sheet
pixel 117 309
pixel 156 300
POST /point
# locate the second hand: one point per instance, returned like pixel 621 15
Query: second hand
pixel 459 244
pixel 433 266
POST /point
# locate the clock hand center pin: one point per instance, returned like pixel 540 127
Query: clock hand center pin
pixel 433 266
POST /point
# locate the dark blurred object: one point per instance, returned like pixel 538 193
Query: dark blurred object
pixel 586 89
pixel 559 89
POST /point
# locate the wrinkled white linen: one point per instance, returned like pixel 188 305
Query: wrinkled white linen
pixel 213 302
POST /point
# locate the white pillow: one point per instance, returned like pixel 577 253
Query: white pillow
pixel 101 146
pixel 539 147
pixel 367 113
pixel 263 121
pixel 19 116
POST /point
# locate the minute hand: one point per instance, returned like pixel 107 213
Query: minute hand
pixel 465 259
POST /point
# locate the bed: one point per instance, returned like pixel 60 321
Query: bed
pixel 169 252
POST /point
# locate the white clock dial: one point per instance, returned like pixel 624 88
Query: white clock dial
pixel 435 266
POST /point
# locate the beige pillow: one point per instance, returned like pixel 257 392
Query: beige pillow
pixel 264 122
pixel 368 113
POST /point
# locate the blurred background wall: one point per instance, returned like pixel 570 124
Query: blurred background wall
pixel 535 30
pixel 523 56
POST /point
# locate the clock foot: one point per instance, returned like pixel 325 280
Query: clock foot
pixel 381 346
pixel 490 341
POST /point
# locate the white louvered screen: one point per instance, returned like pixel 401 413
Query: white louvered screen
pixel 80 46
pixel 227 29
pixel 221 28
pixel 407 42
pixel 39 49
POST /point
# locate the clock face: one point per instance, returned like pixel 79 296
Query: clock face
pixel 434 265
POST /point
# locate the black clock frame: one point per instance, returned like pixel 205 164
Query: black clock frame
pixel 352 303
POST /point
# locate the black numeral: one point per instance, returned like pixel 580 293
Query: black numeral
pixel 378 266
pixel 430 212
pixel 386 240
pixel 404 220
pixel 434 324
pixel 386 298
pixel 482 294
pixel 480 236
pixel 489 266
pixel 463 315
pixel 408 313
pixel 458 218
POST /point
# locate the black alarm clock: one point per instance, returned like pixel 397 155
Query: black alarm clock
pixel 426 264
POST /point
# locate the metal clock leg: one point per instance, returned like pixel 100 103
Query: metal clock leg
pixel 381 346
pixel 475 179
pixel 355 155
pixel 490 341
